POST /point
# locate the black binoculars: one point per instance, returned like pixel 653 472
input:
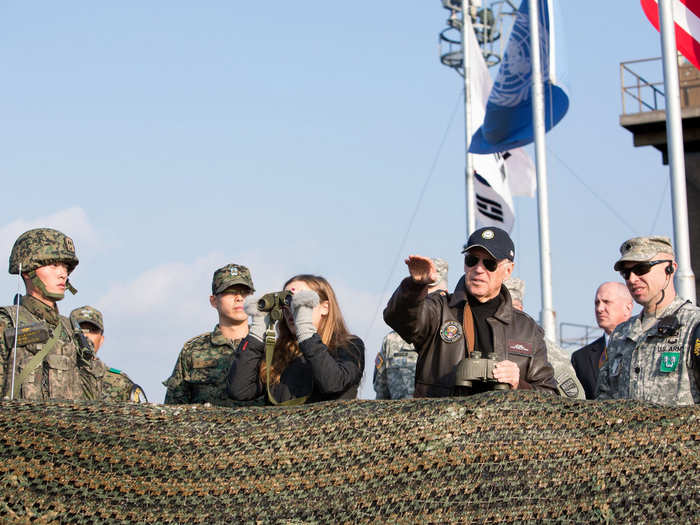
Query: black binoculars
pixel 273 302
pixel 476 372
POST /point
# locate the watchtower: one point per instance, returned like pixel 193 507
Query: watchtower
pixel 644 115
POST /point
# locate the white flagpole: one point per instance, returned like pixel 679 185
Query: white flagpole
pixel 468 170
pixel 685 280
pixel 547 315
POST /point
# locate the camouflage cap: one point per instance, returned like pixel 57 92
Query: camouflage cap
pixel 230 275
pixel 39 247
pixel 516 288
pixel 642 249
pixel 88 314
pixel 441 266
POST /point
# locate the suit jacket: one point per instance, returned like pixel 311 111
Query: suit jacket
pixel 585 361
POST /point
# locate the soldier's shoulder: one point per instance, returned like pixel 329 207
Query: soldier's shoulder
pixel 7 314
pixel 689 311
pixel 623 329
pixel 116 375
pixel 197 342
pixel 393 341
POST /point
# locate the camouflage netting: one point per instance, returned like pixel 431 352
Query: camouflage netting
pixel 498 458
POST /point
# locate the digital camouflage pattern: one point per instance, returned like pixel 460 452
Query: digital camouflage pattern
pixel 643 249
pixel 395 368
pixel 648 366
pixel 39 247
pixel 568 384
pixel 507 457
pixel 88 314
pixel 200 373
pixel 516 288
pixel 61 374
pixel 118 387
pixel 230 275
pixel 441 267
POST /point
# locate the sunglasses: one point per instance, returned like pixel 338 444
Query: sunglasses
pixel 641 268
pixel 490 264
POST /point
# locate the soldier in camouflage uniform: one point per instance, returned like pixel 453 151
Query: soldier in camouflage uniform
pixel 395 366
pixel 200 373
pixel 568 383
pixel 50 361
pixel 650 354
pixel 116 385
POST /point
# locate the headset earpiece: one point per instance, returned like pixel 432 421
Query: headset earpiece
pixel 669 269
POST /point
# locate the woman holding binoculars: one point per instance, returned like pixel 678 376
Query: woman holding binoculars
pixel 315 357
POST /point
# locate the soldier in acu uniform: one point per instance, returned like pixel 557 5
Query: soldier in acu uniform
pixel 50 362
pixel 116 385
pixel 650 356
pixel 568 383
pixel 200 373
pixel 395 366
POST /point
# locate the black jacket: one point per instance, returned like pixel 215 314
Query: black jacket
pixel 320 373
pixel 585 361
pixel 433 323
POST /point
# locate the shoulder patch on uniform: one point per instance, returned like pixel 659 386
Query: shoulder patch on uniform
pixel 451 331
pixel 569 387
pixel 379 361
pixel 696 349
pixel 520 348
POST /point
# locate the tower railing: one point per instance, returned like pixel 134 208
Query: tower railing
pixel 639 94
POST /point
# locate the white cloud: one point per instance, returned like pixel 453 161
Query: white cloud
pixel 73 221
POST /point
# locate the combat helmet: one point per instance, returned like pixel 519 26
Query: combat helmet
pixel 39 247
pixel 42 246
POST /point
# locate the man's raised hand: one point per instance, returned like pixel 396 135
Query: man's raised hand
pixel 422 269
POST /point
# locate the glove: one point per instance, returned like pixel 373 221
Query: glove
pixel 303 304
pixel 258 320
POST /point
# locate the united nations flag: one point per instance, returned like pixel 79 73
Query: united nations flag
pixel 508 120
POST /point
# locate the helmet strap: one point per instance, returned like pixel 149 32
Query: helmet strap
pixel 70 287
pixel 40 285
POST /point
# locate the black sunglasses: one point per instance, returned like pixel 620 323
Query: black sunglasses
pixel 489 263
pixel 641 268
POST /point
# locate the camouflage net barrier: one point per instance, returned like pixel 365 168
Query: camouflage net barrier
pixel 495 458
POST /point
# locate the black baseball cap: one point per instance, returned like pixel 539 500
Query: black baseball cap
pixel 494 240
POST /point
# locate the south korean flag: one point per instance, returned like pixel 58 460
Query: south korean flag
pixel 494 202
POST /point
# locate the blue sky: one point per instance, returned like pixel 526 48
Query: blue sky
pixel 171 138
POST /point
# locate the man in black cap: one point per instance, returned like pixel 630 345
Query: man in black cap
pixel 478 318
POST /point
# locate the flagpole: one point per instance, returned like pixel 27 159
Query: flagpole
pixel 468 170
pixel 685 280
pixel 547 316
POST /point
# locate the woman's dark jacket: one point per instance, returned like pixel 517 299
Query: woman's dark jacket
pixel 320 373
pixel 426 321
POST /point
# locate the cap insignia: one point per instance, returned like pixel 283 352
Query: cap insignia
pixel 234 271
pixel 487 234
pixel 69 245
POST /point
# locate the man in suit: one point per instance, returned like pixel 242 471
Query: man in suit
pixel 613 305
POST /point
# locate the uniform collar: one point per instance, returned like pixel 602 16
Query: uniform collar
pixel 637 333
pixel 42 311
pixel 218 339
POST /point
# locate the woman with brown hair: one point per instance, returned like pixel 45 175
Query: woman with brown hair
pixel 315 357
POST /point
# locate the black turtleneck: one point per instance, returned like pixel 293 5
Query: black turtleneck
pixel 480 312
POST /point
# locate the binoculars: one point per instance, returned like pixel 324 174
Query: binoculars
pixel 273 302
pixel 476 372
